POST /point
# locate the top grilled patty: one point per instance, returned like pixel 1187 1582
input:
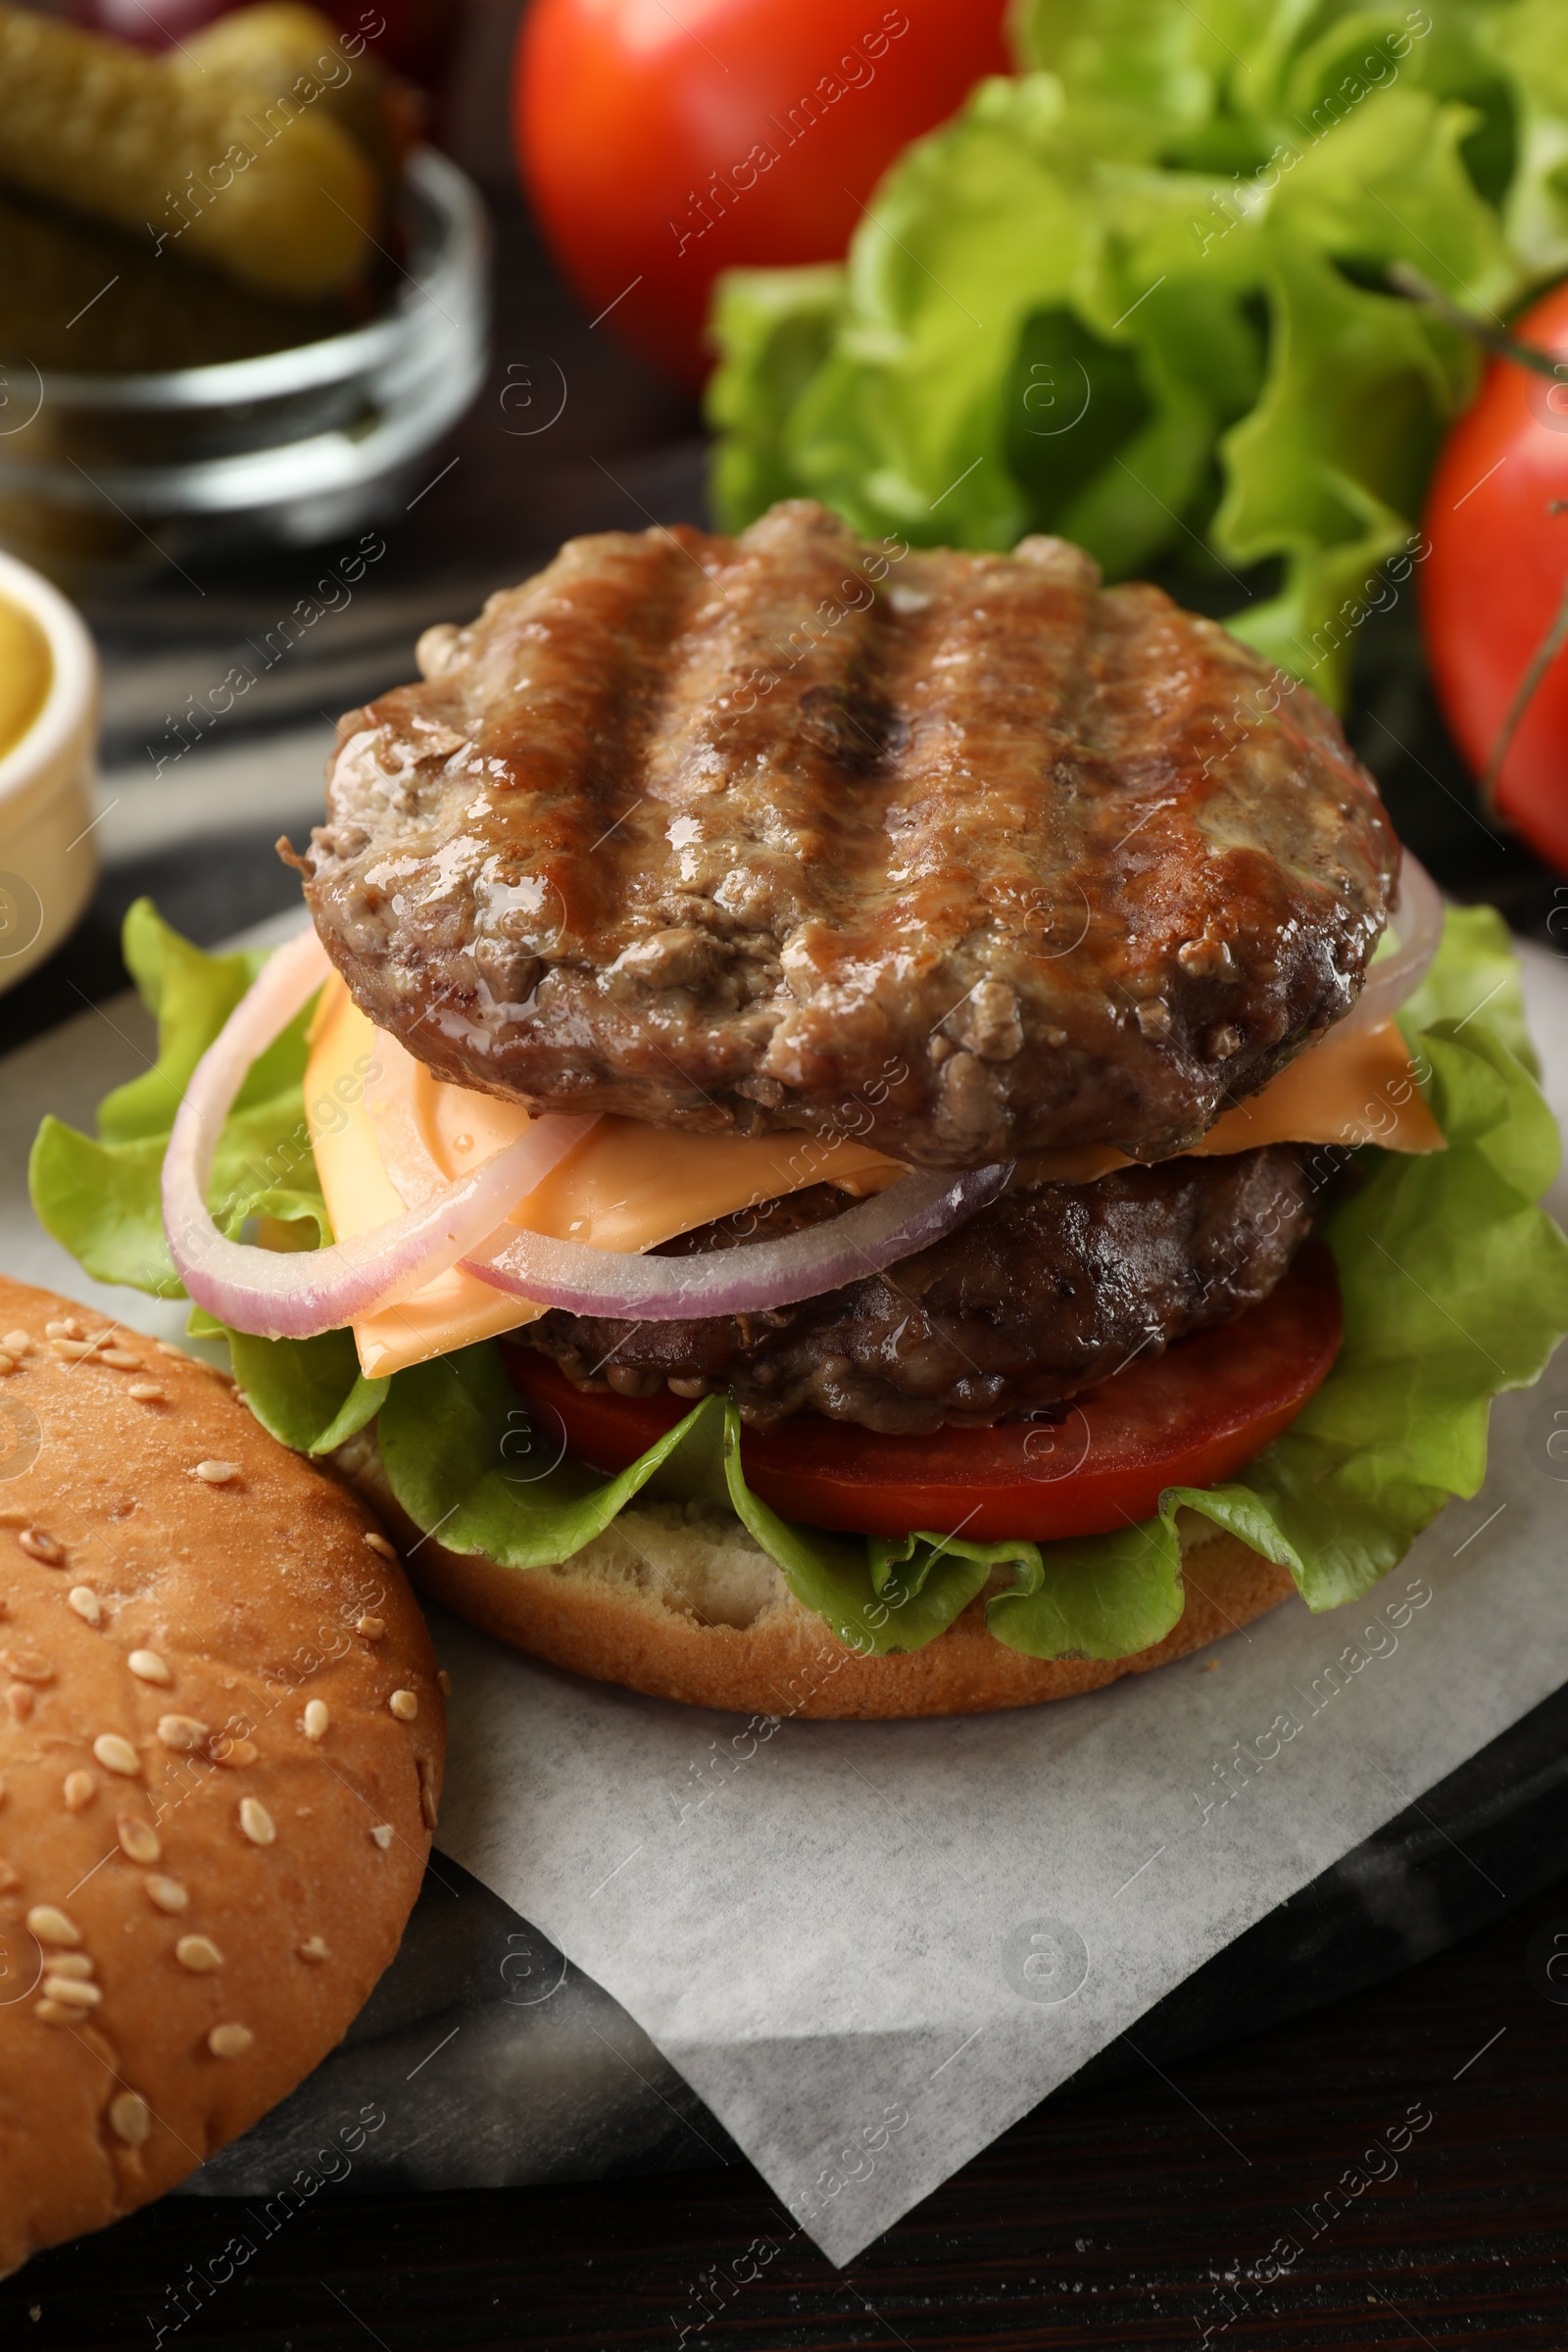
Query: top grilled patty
pixel 784 830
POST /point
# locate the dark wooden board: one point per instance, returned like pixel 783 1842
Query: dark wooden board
pixel 1136 2215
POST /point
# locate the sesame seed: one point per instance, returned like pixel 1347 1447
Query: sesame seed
pixel 19 1702
pixel 8 1363
pixel 52 1926
pixel 39 1547
pixel 229 2041
pixel 198 1953
pixel 71 1964
pixel 370 1627
pixel 428 1799
pixel 70 1329
pixel 217 1474
pixel 383 1834
pixel 78 1790
pixel 53 2013
pixel 379 1542
pixel 116 1754
pixel 256 1821
pixel 129 2118
pixel 443 1681
pixel 120 1359
pixel 140 1841
pixel 403 1705
pixel 168 1893
pixel 76 1351
pixel 314 1948
pixel 235 1752
pixel 74 1992
pixel 182 1731
pixel 146 1391
pixel 148 1667
pixel 16 1342
pixel 26 1666
pixel 317 1718
pixel 165 1349
pixel 87 1603
pixel 8 1877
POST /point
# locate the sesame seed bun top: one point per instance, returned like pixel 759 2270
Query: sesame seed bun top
pixel 220 1753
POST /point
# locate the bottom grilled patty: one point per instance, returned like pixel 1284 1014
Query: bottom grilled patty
pixel 1048 1290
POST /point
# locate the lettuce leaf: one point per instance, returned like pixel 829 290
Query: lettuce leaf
pixel 1455 1285
pixel 1138 295
pixel 100 1197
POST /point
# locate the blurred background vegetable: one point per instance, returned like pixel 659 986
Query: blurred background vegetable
pixel 1139 294
pixel 242 165
pixel 412 37
pixel 660 145
pixel 1495 587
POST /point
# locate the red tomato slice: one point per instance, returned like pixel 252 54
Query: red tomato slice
pixel 1495 578
pixel 1191 1417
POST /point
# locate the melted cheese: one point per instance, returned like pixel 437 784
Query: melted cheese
pixel 1360 1089
pixel 627 1185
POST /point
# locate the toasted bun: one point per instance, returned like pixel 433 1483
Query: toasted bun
pixel 196 1894
pixel 679 1601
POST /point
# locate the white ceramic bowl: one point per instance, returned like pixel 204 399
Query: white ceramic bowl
pixel 48 852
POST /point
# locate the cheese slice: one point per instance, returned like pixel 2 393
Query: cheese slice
pixel 1349 1090
pixel 628 1186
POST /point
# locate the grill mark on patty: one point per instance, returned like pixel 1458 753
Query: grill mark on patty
pixel 720 833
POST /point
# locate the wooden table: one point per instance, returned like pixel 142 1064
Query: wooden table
pixel 1150 2211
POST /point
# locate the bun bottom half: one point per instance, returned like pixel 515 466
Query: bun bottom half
pixel 676 1601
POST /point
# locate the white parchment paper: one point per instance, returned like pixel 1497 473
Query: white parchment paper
pixel 871 1947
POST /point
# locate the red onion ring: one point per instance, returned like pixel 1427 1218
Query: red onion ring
pixel 1416 922
pixel 909 1215
pixel 296 1296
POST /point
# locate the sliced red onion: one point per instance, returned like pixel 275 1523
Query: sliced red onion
pixel 1416 922
pixel 908 1216
pixel 297 1294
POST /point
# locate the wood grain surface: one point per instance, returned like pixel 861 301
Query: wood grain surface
pixel 1143 2213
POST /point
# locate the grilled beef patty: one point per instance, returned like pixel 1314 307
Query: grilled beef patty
pixel 1047 1292
pixel 721 833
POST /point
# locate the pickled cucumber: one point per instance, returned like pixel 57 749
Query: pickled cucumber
pixel 280 47
pixel 264 188
pixel 78 298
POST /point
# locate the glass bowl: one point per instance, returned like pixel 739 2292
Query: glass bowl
pixel 287 447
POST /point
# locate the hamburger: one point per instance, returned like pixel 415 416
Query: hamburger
pixel 856 1131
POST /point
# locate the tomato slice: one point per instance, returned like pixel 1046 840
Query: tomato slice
pixel 1191 1417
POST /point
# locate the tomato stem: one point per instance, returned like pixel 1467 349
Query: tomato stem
pixel 1416 288
pixel 1541 661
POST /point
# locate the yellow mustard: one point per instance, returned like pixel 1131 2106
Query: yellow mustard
pixel 26 672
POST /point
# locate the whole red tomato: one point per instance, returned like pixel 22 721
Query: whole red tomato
pixel 663 144
pixel 1496 577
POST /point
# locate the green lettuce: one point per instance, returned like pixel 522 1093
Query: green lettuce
pixel 1455 1285
pixel 99 1196
pixel 1139 295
